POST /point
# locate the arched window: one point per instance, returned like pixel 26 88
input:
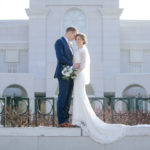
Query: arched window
pixel 13 94
pixel 14 91
pixel 75 17
pixel 134 91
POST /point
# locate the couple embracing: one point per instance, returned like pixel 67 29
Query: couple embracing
pixel 83 115
pixel 66 57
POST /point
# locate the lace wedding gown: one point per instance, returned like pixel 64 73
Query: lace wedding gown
pixel 85 117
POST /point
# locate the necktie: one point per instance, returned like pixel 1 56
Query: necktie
pixel 70 46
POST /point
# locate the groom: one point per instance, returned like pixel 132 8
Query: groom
pixel 64 56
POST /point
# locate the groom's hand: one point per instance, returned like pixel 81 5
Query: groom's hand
pixel 76 66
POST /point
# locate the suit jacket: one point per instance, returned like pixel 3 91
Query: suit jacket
pixel 64 56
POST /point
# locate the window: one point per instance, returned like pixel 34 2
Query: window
pixel 14 61
pixel 12 67
pixel 133 92
pixel 135 67
pixel 14 91
pixel 13 94
pixel 75 17
pixel 136 60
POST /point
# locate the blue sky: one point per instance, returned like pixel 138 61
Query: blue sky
pixel 133 9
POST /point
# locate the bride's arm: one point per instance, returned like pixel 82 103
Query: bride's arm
pixel 83 61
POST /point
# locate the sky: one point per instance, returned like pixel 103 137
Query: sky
pixel 13 9
pixel 133 9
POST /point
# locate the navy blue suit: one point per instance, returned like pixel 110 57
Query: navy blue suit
pixel 64 57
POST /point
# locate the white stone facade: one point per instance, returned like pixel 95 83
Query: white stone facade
pixel 119 50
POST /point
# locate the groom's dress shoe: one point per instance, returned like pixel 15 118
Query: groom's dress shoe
pixel 63 125
pixel 66 125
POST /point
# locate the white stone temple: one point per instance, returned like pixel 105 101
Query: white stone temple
pixel 119 49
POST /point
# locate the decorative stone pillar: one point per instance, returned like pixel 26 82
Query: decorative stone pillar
pixel 111 41
pixel 37 48
pixel 110 46
pixel 37 41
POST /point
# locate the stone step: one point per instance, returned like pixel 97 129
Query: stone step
pixel 50 138
pixel 40 131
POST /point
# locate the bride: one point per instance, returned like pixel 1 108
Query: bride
pixel 83 114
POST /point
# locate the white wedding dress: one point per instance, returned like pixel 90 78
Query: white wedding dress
pixel 83 114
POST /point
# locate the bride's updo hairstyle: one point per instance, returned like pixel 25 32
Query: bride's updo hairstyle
pixel 83 37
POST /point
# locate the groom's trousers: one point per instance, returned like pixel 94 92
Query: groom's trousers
pixel 64 100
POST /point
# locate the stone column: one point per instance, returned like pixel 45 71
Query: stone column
pixel 111 46
pixel 37 41
pixel 37 49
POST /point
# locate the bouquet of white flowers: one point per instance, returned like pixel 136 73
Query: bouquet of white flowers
pixel 69 72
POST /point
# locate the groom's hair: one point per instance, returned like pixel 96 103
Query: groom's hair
pixel 72 29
